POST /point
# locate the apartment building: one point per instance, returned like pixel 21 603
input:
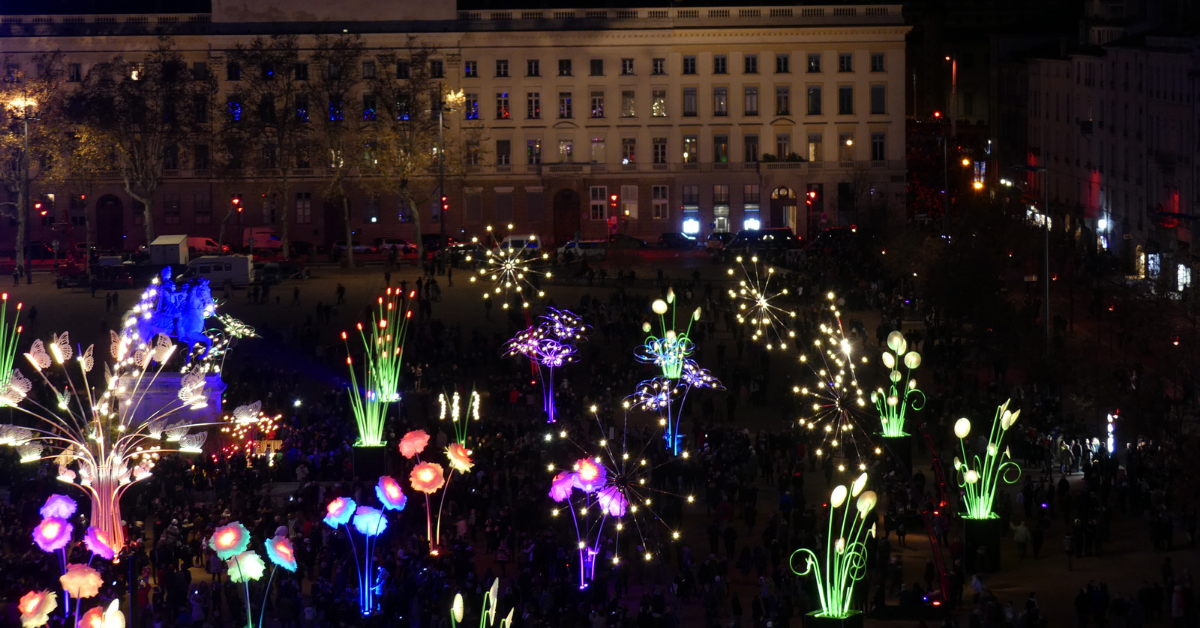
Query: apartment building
pixel 592 120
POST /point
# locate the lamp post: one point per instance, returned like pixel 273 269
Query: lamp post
pixel 953 59
pixel 1045 240
pixel 25 106
pixel 452 98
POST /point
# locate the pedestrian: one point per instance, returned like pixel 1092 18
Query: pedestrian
pixel 341 294
pixel 387 278
pixel 450 277
pixel 16 276
pixel 296 296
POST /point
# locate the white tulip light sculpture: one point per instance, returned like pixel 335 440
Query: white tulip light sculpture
pixel 845 553
pixel 902 393
pixel 980 477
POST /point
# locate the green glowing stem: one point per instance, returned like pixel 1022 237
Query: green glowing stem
pixel 9 335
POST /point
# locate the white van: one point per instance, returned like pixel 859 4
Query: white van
pixel 205 246
pixel 584 248
pixel 262 238
pixel 523 241
pixel 237 270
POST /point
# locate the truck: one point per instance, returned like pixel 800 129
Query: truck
pixel 219 270
pixel 169 250
pixel 261 238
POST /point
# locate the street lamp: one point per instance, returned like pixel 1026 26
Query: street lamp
pixel 953 94
pixel 450 98
pixel 26 107
pixel 1045 239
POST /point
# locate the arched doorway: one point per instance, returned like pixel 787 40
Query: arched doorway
pixel 110 223
pixel 568 216
pixel 783 208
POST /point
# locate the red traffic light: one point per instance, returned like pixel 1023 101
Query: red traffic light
pixel 812 194
pixel 37 206
pixel 612 200
pixel 937 114
pixel 445 204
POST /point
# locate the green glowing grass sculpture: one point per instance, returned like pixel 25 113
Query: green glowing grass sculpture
pixel 902 393
pixel 980 479
pixel 845 553
pixel 383 360
pixel 10 333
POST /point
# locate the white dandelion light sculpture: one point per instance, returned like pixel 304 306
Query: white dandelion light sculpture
pixel 758 304
pixel 99 442
pixel 834 403
pixel 507 272
pixel 611 493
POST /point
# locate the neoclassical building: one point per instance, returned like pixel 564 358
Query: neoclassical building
pixel 695 118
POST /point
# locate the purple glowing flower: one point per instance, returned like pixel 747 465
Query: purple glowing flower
pixel 589 476
pixel 561 485
pixel 52 534
pixel 564 325
pixel 612 501
pixel 696 377
pixel 525 343
pixel 97 543
pixel 653 395
pixel 59 506
pixel 553 353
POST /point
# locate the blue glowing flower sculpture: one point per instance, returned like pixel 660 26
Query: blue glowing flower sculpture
pixel 390 494
pixel 281 553
pixel 369 521
pixel 564 325
pixel 695 377
pixel 553 354
pixel 653 395
pixel 667 353
pixel 339 511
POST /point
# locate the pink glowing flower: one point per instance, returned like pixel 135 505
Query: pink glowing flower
pixel 229 541
pixel 97 543
pixel 427 477
pixel 589 476
pixel 59 507
pixel 339 511
pixel 81 581
pixel 612 501
pixel 280 551
pixel 460 458
pixel 52 534
pixel 561 485
pixel 390 494
pixel 413 443
pixel 36 606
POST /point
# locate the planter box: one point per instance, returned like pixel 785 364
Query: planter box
pixel 853 620
pixel 983 533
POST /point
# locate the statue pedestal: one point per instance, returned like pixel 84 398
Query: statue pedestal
pixel 900 448
pixel 853 620
pixel 983 533
pixel 369 462
pixel 161 393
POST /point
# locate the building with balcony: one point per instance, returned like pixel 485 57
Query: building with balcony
pixel 642 120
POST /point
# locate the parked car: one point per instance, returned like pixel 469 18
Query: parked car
pixel 433 242
pixel 465 253
pixel 584 249
pixel 522 241
pixel 402 246
pixel 772 239
pixel 199 245
pixel 718 241
pixel 357 247
pixel 626 241
pixel 676 240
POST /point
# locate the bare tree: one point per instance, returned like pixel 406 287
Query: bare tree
pixel 275 84
pixel 340 134
pixel 141 108
pixel 30 136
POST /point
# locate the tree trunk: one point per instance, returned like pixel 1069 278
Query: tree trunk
pixel 282 213
pixel 22 215
pixel 406 194
pixel 349 231
pixel 147 216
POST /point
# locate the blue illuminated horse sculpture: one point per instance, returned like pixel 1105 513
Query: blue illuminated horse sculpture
pixel 179 311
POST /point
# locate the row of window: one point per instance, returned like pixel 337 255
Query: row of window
pixel 812 150
pixel 814 104
pixel 533 67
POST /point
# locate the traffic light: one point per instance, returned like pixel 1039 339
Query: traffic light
pixel 937 114
pixel 445 204
pixel 38 207
pixel 236 202
pixel 612 203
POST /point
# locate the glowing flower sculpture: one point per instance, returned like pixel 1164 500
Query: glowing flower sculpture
pixel 616 486
pixel 101 441
pixel 660 394
pixel 229 540
pixel 893 404
pixel 97 543
pixel 427 477
pixel 668 350
pixel 487 616
pixel 757 303
pixel 845 552
pixel 549 345
pixel 12 389
pixel 460 458
pixel 980 478
pixel 383 353
pixel 52 534
pixel 452 410
pixel 390 494
pixel 35 608
pixel 103 617
pixel 413 443
pixel 837 400
pixel 281 553
pixel 81 581
pixel 59 506
pixel 370 523
pixel 508 272
pixel 339 511
pixel 245 567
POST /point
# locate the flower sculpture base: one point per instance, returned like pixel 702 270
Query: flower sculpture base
pixel 982 534
pixel 369 462
pixel 900 448
pixel 853 620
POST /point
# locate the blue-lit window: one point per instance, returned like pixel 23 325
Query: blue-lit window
pixel 368 107
pixel 302 108
pixel 471 106
pixel 336 113
pixel 234 108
